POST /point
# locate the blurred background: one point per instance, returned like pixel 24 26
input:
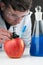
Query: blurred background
pixel 34 4
pixel 37 2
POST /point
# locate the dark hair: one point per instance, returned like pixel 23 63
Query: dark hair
pixel 20 5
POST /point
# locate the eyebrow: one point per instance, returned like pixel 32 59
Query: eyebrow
pixel 14 15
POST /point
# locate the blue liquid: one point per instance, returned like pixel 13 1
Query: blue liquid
pixel 36 48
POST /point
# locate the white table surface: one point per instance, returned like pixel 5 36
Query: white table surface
pixel 26 59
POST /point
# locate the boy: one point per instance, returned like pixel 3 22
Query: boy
pixel 15 13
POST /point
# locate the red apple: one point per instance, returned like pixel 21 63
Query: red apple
pixel 14 48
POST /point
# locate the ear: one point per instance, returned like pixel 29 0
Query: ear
pixel 2 6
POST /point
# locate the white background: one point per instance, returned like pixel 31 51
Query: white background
pixel 26 59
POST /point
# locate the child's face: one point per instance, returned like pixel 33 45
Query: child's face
pixel 11 16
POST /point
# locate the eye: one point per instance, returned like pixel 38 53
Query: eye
pixel 14 15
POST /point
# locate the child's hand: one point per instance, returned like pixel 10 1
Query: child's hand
pixel 4 35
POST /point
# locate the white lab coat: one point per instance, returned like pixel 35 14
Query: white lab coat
pixel 27 34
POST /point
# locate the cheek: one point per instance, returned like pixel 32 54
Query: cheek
pixel 7 17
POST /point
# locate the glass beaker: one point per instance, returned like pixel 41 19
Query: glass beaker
pixel 36 48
